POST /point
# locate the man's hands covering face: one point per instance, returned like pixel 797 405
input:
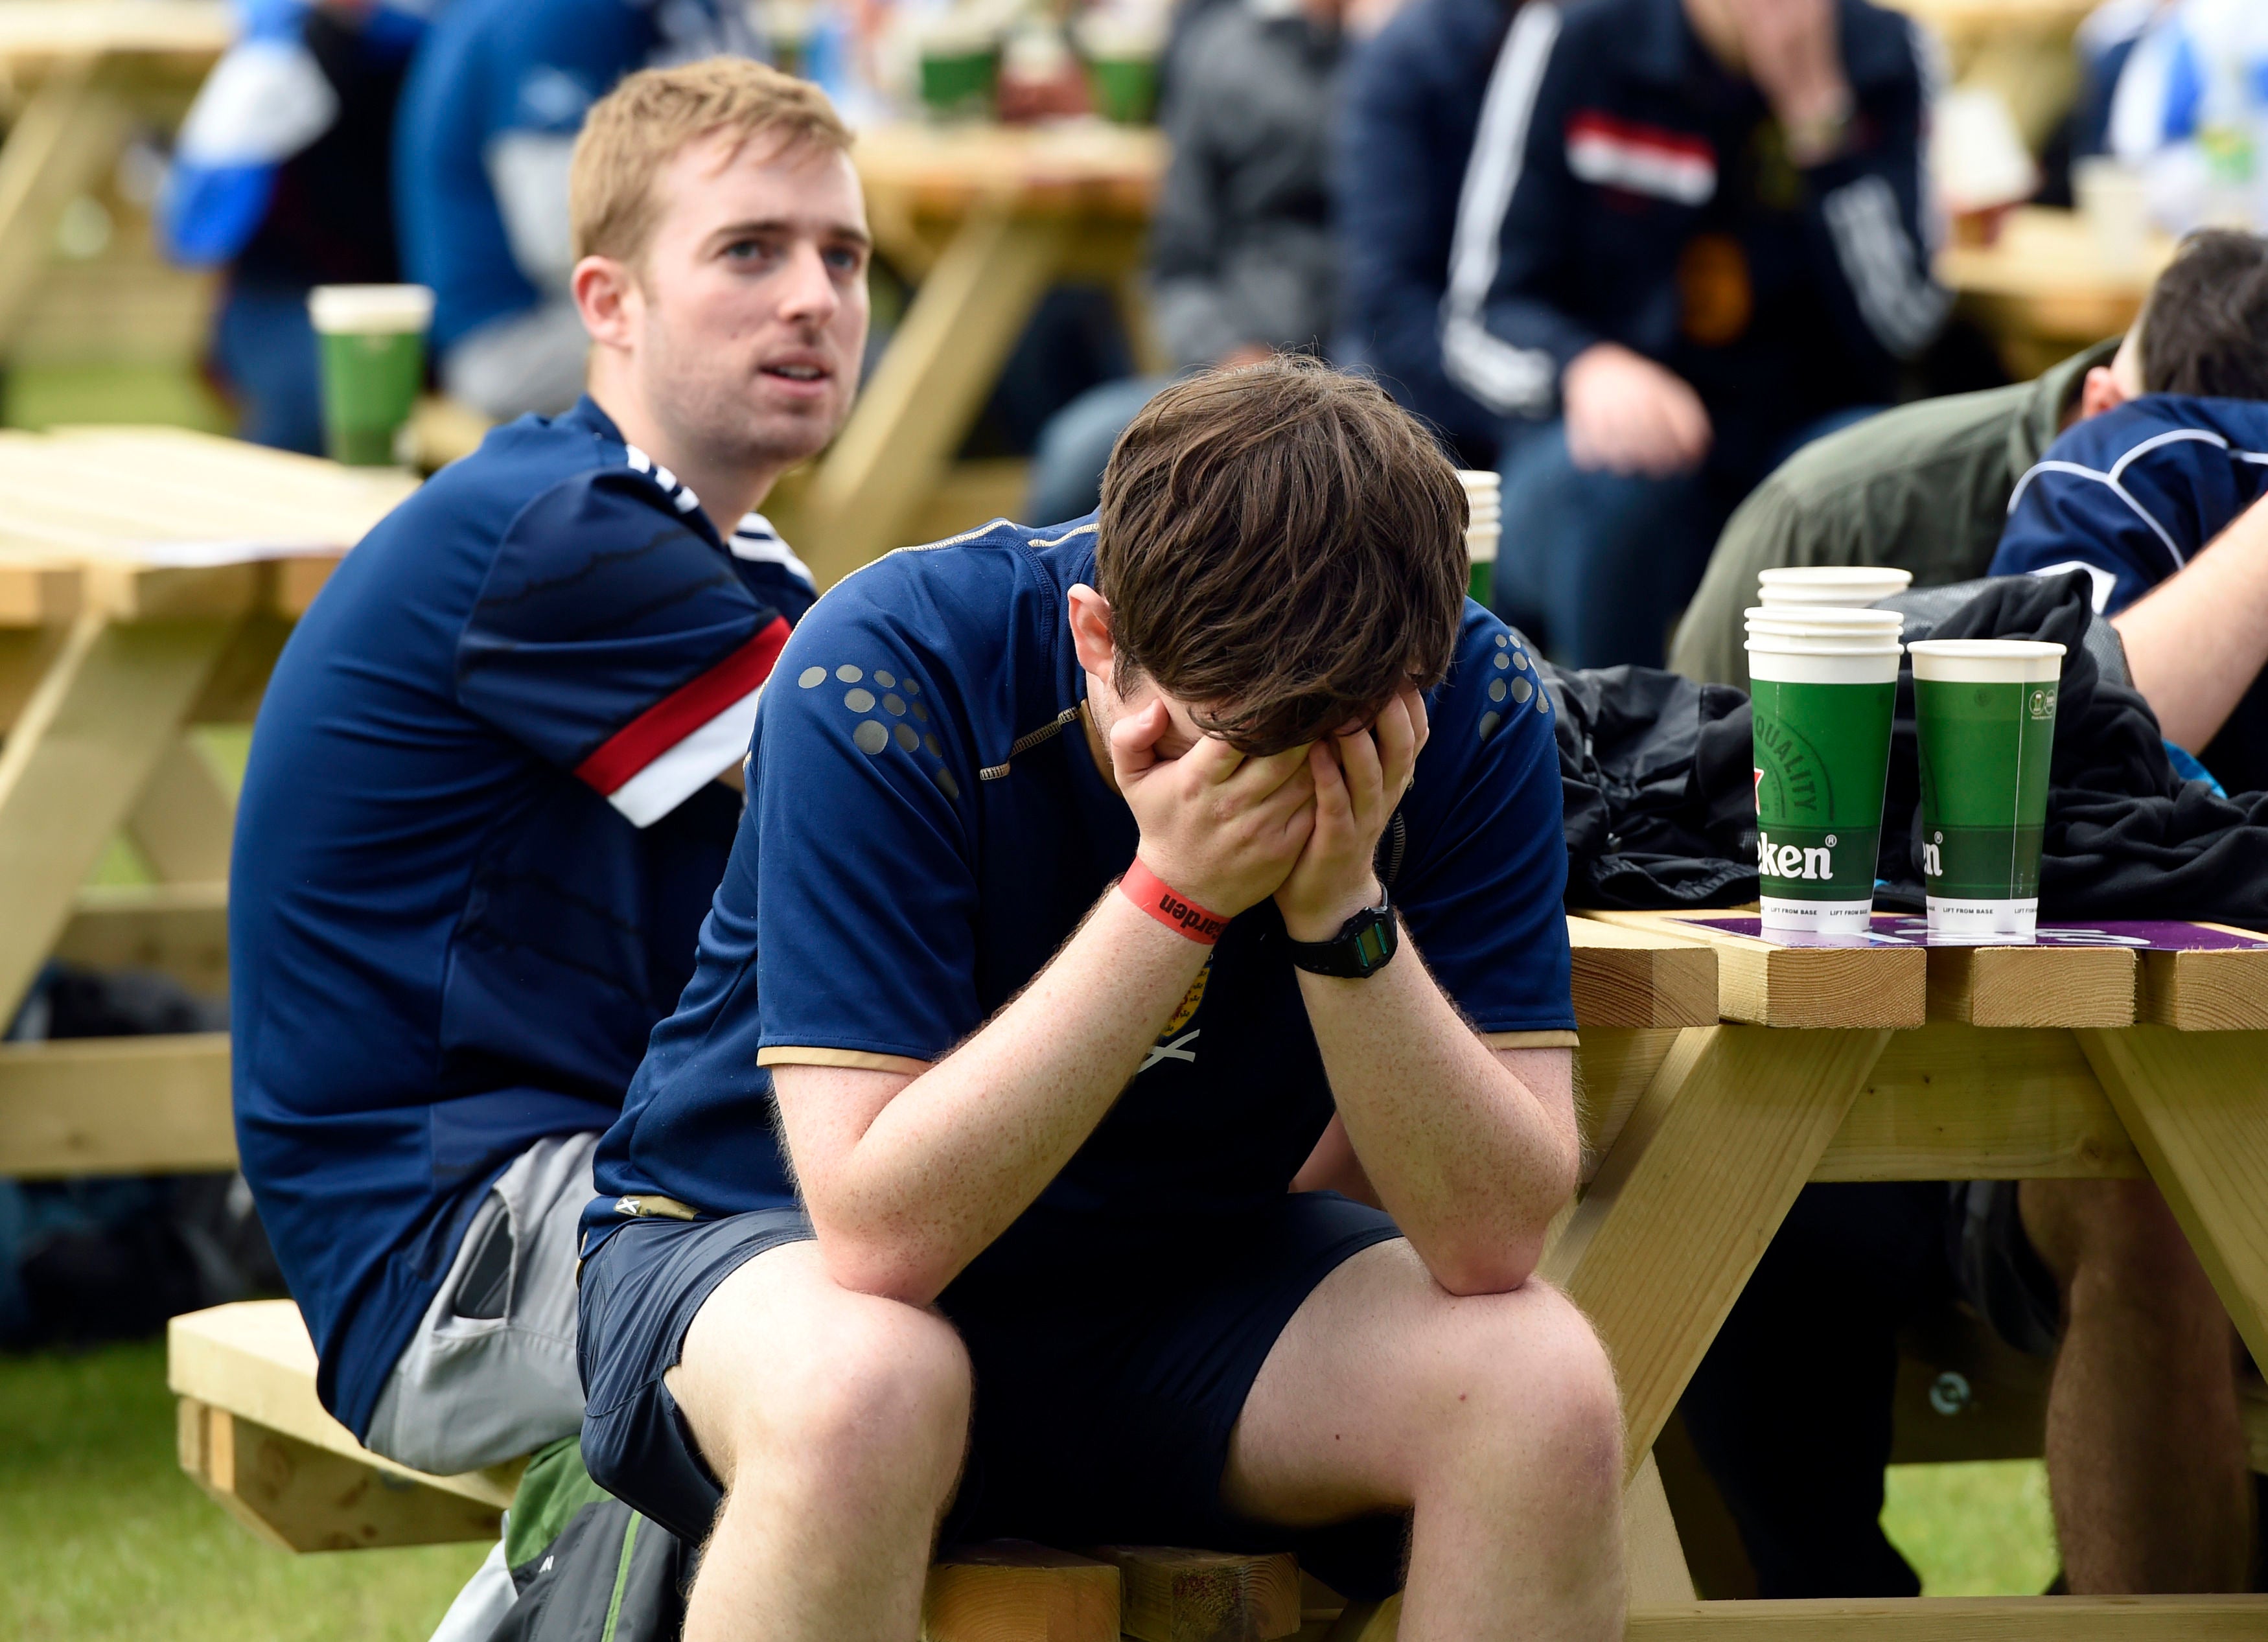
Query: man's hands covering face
pixel 1219 827
pixel 1227 830
pixel 1358 778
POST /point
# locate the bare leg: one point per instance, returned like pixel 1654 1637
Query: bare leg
pixel 2146 1461
pixel 1493 1417
pixel 837 1422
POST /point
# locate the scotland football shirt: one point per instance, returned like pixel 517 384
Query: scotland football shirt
pixel 925 826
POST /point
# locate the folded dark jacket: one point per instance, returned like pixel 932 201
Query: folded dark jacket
pixel 1653 776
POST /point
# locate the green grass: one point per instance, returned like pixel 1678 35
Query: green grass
pixel 174 395
pixel 1977 1529
pixel 102 1539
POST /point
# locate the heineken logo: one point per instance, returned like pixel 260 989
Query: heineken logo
pixel 1933 857
pixel 1788 860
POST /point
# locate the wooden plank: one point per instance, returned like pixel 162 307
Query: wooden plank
pixel 185 818
pixel 301 1497
pixel 1654 1557
pixel 153 1105
pixel 111 704
pixel 2206 991
pixel 1698 1183
pixel 1613 1066
pixel 931 382
pixel 2032 986
pixel 66 136
pixel 1772 985
pixel 179 930
pixel 1010 1591
pixel 1368 1622
pixel 254 1359
pixel 32 594
pixel 2196 1106
pixel 1955 1102
pixel 1640 977
pixel 34 30
pixel 1961 1619
pixel 1169 1594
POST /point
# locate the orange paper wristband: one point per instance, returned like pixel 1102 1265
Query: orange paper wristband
pixel 1151 893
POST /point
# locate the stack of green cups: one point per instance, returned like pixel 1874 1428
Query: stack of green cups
pixel 373 356
pixel 1984 712
pixel 1823 684
pixel 1483 525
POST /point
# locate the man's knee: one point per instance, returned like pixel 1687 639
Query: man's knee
pixel 852 1382
pixel 1524 1373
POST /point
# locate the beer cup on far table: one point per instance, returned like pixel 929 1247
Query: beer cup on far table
pixel 1984 712
pixel 1823 685
pixel 373 339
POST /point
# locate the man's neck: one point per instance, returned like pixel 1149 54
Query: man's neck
pixel 727 491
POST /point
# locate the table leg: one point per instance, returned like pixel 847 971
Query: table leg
pixel 931 384
pixel 1699 1179
pixel 1654 1557
pixel 185 818
pixel 2196 1105
pixel 69 132
pixel 109 706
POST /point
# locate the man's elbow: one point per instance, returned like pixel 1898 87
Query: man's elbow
pixel 1495 1266
pixel 886 1268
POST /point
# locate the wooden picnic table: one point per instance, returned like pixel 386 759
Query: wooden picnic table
pixel 148 578
pixel 82 74
pixel 987 218
pixel 2045 290
pixel 2112 1052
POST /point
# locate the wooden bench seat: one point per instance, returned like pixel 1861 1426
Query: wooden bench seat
pixel 253 1436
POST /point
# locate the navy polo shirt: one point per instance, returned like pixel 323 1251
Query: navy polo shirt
pixel 478 830
pixel 926 825
pixel 2131 497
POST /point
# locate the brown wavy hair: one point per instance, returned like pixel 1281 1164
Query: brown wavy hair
pixel 1283 548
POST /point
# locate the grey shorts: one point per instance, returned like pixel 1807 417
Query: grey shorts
pixel 489 1374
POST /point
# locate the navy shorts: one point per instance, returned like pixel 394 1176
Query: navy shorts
pixel 1103 1405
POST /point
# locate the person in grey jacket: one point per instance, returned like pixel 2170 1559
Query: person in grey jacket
pixel 1241 260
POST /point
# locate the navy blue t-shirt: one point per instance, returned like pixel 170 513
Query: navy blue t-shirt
pixel 478 831
pixel 926 825
pixel 2131 497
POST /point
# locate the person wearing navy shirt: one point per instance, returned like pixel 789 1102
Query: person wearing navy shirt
pixel 486 122
pixel 1104 894
pixel 482 816
pixel 1692 235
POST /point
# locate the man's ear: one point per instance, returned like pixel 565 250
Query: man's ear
pixel 2101 392
pixel 607 296
pixel 1090 631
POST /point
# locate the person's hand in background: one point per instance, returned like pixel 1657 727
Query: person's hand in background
pixel 1627 415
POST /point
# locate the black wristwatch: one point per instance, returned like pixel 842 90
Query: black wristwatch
pixel 1364 945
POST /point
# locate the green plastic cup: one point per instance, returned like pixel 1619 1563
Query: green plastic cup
pixel 372 341
pixel 1984 712
pixel 1824 684
pixel 1125 89
pixel 960 74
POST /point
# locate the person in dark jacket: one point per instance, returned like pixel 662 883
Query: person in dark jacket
pixel 1691 235
pixel 1410 105
pixel 1241 254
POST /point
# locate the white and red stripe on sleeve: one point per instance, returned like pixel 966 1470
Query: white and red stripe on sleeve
pixel 686 739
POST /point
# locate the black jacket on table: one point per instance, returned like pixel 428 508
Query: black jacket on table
pixel 1624 187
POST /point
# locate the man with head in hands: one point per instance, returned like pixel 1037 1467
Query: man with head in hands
pixel 1102 898
pixel 487 806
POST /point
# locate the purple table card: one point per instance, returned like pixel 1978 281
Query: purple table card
pixel 1906 929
